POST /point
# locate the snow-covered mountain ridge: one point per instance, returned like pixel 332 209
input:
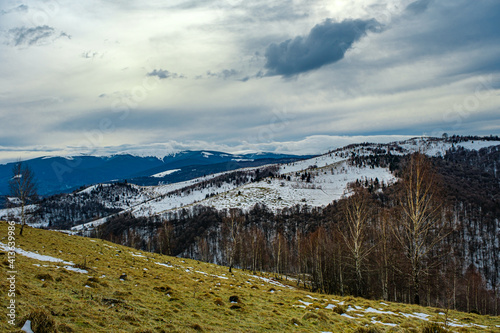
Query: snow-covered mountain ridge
pixel 56 175
pixel 315 181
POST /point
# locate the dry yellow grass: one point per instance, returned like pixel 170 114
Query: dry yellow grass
pixel 158 293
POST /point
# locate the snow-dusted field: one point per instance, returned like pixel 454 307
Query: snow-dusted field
pixel 328 185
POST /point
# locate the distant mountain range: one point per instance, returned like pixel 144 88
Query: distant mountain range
pixel 66 174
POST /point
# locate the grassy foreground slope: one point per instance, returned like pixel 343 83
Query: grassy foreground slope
pixel 110 288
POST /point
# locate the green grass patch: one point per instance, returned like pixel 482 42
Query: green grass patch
pixel 121 292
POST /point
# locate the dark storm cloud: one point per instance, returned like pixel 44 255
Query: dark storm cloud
pixel 326 43
pixel 164 74
pixel 24 36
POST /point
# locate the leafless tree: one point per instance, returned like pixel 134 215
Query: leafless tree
pixel 165 238
pixel 23 187
pixel 357 210
pixel 232 224
pixel 421 227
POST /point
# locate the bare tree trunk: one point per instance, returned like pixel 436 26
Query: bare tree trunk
pixel 23 221
pixel 357 212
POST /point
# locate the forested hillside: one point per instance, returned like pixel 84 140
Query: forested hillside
pixel 360 245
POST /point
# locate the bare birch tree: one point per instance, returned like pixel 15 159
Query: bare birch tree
pixel 357 215
pixel 421 227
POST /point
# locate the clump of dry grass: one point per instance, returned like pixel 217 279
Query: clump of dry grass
pixel 41 321
pixel 163 289
pixel 340 309
pixel 218 301
pixel 310 315
pixel 45 277
pixel 433 328
pixel 63 328
pixel 367 330
pixel 197 327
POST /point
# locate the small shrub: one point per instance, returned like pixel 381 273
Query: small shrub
pixel 295 322
pixel 218 302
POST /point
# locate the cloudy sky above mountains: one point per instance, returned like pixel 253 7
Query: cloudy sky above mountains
pixel 278 75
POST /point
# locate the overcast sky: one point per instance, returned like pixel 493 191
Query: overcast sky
pixel 298 76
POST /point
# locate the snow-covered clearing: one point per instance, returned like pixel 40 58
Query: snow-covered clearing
pixel 41 257
pixel 165 173
pixel 34 255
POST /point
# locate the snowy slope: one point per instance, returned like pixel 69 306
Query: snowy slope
pixel 433 147
pixel 329 175
pixel 326 187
